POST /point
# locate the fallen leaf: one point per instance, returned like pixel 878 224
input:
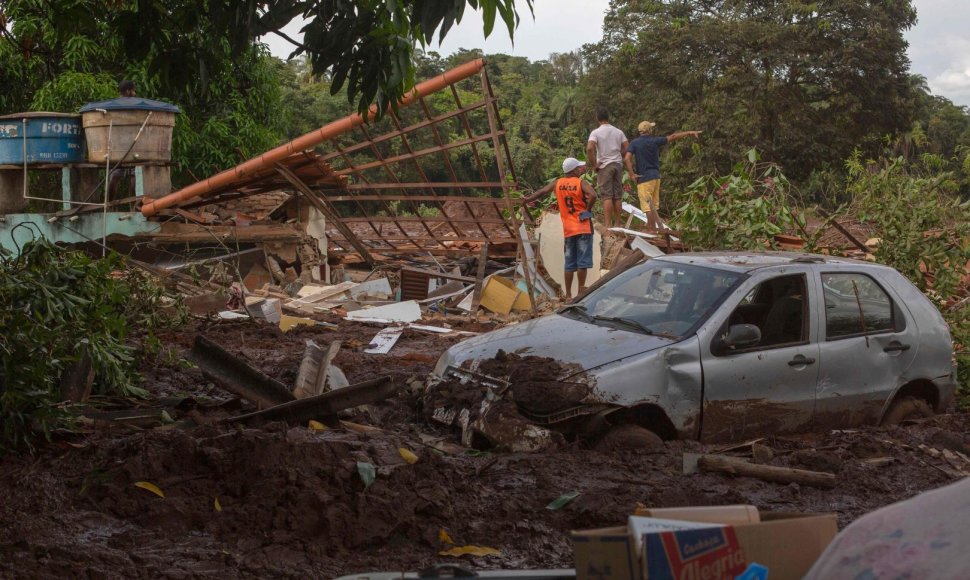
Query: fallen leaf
pixel 150 487
pixel 317 426
pixel 217 505
pixel 471 551
pixel 408 455
pixel 444 537
pixel 562 500
pixel 367 473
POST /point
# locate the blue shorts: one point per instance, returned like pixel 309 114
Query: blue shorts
pixel 579 252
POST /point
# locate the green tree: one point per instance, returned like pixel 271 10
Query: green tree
pixel 804 82
pixel 368 46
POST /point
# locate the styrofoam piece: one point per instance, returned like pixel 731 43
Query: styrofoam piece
pixel 633 233
pixel 640 215
pixel 646 247
pixel 372 287
pixel 407 311
pixel 336 379
pixel 466 303
pixel 384 340
pixel 435 329
pixel 230 315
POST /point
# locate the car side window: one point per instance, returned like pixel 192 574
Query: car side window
pixel 779 308
pixel 855 304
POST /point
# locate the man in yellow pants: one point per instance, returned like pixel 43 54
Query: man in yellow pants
pixel 645 149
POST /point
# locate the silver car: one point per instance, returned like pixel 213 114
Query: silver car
pixel 711 346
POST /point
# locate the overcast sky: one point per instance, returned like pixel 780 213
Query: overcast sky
pixel 939 44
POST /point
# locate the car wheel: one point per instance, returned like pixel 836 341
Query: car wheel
pixel 907 408
pixel 628 437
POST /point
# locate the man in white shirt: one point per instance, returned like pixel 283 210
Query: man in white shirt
pixel 605 151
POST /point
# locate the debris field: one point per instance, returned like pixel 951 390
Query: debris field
pixel 179 494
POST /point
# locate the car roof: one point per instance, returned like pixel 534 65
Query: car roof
pixel 749 261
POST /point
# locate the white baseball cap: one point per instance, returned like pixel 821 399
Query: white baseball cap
pixel 571 163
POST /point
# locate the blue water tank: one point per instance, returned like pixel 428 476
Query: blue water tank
pixel 44 137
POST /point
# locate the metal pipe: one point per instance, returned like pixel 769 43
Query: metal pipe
pixel 308 141
pixel 107 190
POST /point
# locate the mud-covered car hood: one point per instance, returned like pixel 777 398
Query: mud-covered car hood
pixel 583 346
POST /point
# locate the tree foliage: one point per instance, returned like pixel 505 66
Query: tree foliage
pixel 804 82
pixel 59 307
pixel 743 210
pixel 60 54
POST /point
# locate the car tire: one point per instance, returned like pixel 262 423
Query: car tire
pixel 905 408
pixel 627 438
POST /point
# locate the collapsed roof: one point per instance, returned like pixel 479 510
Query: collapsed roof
pixel 433 175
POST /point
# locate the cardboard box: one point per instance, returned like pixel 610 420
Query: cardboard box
pixel 787 544
pixel 605 554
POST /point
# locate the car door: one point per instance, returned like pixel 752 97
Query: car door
pixel 867 344
pixel 770 387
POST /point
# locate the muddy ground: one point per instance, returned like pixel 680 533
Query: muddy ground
pixel 276 500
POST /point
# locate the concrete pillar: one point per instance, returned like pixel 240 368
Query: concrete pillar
pixel 12 191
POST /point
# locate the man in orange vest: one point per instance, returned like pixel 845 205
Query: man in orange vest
pixel 575 198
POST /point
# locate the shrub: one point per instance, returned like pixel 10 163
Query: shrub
pixel 58 307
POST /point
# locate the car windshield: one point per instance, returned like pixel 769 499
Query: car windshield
pixel 657 297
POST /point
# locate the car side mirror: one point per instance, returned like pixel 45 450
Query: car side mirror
pixel 740 336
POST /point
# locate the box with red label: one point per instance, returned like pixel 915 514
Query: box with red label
pixel 741 543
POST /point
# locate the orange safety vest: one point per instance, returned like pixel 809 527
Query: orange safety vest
pixel 572 202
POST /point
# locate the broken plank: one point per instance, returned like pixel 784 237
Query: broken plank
pixel 848 235
pixel 733 466
pixel 397 312
pixel 230 373
pixel 321 382
pixel 326 406
pixel 323 294
pixel 384 341
pixel 479 277
pixel 307 375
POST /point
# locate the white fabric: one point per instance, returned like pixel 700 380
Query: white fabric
pixel 609 144
pixel 925 537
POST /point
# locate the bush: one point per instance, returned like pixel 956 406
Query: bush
pixel 59 307
pixel 740 211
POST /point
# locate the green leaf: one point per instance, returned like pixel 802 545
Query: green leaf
pixel 488 15
pixel 366 472
pixel 562 500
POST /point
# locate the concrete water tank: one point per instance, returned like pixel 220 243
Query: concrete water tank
pixel 41 137
pixel 120 120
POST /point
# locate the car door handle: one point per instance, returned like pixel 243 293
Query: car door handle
pixel 800 360
pixel 896 348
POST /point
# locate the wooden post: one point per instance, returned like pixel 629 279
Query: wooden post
pixel 477 293
pixel 331 354
pixel 735 466
pixel 327 211
pixel 835 224
pixel 500 163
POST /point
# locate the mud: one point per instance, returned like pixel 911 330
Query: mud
pixel 291 502
pixel 534 383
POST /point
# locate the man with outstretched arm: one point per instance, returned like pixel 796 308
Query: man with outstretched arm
pixel 575 198
pixel 646 150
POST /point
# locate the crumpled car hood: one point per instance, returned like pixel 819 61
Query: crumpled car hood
pixel 581 345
